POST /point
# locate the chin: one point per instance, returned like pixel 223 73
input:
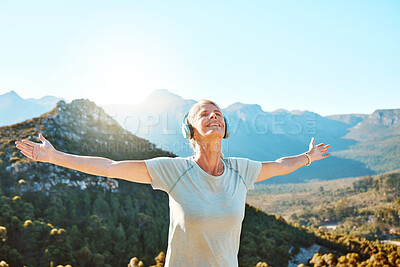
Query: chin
pixel 215 134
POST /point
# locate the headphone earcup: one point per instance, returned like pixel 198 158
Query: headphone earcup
pixel 186 129
pixel 227 128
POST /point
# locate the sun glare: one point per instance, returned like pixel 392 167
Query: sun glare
pixel 125 70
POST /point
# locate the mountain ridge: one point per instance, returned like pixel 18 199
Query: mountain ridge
pixel 257 134
pixel 267 136
pixel 14 109
pixel 78 128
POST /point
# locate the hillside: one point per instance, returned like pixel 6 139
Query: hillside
pixel 350 119
pixel 381 123
pixel 92 228
pixel 367 206
pixel 378 141
pixel 78 128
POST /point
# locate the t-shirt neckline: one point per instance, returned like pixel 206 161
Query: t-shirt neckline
pixel 207 174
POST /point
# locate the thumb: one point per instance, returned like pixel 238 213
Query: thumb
pixel 41 137
pixel 312 142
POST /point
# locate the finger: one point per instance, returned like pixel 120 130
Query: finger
pixel 23 146
pixel 29 142
pixel 27 154
pixel 19 144
pixel 320 145
pixel 26 150
pixel 327 155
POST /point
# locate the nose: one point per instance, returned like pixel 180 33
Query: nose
pixel 213 115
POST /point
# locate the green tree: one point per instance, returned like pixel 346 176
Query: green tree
pixel 83 256
pixel 58 248
pixel 119 249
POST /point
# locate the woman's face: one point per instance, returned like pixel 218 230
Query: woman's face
pixel 208 121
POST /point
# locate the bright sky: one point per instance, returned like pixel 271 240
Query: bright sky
pixel 330 57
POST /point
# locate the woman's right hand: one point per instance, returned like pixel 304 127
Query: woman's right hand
pixel 36 151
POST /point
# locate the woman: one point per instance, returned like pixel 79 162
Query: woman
pixel 207 192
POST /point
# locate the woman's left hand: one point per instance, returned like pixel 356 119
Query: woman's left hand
pixel 316 151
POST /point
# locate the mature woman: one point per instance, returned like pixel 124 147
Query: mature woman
pixel 207 191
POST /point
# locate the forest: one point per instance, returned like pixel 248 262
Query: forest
pixel 101 228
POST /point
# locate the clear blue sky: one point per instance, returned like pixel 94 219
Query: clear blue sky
pixel 330 57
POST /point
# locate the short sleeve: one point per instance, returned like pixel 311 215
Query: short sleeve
pixel 249 170
pixel 163 171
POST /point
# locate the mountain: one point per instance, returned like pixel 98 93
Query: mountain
pixel 14 109
pixel 350 119
pixel 267 136
pixel 361 144
pixel 88 209
pixel 157 119
pixel 378 141
pixel 47 101
pixel 255 134
pixel 382 123
pixel 80 127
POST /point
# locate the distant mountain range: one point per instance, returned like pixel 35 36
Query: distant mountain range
pixel 361 144
pixel 14 109
pixel 266 136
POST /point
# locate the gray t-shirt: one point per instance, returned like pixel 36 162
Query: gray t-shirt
pixel 206 211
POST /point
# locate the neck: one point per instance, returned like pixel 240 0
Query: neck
pixel 207 156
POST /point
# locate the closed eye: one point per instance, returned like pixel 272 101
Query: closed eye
pixel 206 114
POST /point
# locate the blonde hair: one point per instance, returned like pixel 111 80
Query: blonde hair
pixel 191 114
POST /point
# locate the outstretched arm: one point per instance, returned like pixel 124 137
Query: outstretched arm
pixel 130 170
pixel 287 165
